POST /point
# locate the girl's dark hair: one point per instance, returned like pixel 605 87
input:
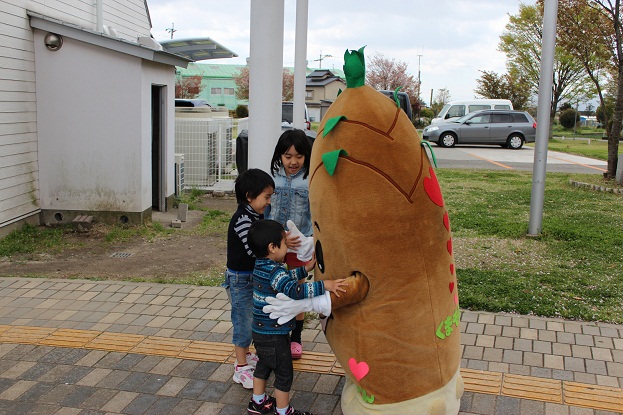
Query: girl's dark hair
pixel 289 138
pixel 252 183
pixel 262 233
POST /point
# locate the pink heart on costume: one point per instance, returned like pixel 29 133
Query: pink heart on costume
pixel 456 299
pixel 450 246
pixel 451 269
pixel 451 286
pixel 431 186
pixel 446 221
pixel 359 370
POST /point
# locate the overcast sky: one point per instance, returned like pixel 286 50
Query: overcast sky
pixel 456 39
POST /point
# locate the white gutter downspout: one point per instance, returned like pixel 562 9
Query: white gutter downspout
pixel 99 14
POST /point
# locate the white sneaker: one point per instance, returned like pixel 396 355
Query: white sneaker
pixel 252 359
pixel 244 376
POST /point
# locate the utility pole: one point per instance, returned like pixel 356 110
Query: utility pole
pixel 419 83
pixel 319 60
pixel 419 79
pixel 537 197
pixel 171 29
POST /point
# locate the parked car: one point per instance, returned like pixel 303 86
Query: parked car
pixel 507 128
pixel 287 110
pixel 403 98
pixel 179 102
pixel 455 109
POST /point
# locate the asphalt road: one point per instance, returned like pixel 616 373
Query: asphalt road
pixel 497 158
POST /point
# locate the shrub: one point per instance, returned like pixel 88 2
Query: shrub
pixel 242 111
pixel 568 118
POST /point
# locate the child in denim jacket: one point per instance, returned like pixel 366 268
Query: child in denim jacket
pixel 290 202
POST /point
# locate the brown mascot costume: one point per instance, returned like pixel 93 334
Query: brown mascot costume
pixel 379 220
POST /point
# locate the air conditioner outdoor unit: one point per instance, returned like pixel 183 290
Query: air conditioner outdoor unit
pixel 179 174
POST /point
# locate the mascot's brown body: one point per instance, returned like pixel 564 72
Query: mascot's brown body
pixel 379 218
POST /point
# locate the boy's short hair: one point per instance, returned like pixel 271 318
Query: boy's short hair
pixel 262 233
pixel 252 183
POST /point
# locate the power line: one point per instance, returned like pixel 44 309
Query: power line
pixel 319 60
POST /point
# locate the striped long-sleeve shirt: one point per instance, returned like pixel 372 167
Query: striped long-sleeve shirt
pixel 270 278
pixel 239 255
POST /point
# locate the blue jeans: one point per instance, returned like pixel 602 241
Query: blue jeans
pixel 239 286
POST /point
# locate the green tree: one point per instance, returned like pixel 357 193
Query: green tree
pixel 427 113
pixel 491 85
pixel 442 97
pixel 522 44
pixel 611 11
pixel 569 118
pixel 591 36
pixel 605 110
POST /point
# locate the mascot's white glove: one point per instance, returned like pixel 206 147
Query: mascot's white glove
pixel 284 309
pixel 305 250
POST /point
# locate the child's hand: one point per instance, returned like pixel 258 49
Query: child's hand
pixel 311 264
pixel 292 241
pixel 335 286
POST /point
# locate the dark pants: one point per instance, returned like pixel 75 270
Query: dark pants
pixel 274 355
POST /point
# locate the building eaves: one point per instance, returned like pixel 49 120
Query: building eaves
pixel 73 31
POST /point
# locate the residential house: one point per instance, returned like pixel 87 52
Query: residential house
pixel 86 113
pixel 219 86
pixel 321 88
pixel 217 81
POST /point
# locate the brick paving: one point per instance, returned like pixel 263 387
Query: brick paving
pixel 38 377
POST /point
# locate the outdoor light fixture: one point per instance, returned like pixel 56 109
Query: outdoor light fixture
pixel 53 41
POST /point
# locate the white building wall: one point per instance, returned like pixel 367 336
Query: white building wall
pixel 90 142
pixel 19 185
pixel 66 117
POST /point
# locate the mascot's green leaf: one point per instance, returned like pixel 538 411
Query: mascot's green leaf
pixel 339 91
pixel 396 96
pixel 330 160
pixel 432 153
pixel 331 123
pixel 354 68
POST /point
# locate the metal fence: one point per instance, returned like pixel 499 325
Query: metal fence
pixel 209 149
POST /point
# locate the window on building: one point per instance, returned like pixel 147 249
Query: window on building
pixel 309 94
pixel 228 91
pixel 215 91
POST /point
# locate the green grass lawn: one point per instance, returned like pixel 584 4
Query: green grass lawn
pixel 574 269
pixel 595 148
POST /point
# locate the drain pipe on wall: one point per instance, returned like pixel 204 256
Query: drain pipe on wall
pixel 99 14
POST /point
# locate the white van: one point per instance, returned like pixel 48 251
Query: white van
pixel 455 109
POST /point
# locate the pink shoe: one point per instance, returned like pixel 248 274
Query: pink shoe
pixel 296 349
pixel 244 376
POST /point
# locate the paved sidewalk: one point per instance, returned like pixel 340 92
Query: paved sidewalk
pixel 72 347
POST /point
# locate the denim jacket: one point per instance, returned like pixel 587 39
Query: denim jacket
pixel 291 201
